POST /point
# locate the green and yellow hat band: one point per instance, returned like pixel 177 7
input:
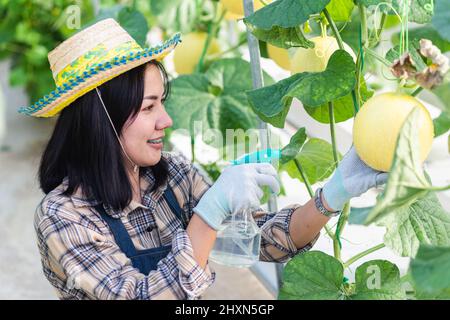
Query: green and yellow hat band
pixel 90 58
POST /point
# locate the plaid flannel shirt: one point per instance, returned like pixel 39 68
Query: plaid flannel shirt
pixel 82 261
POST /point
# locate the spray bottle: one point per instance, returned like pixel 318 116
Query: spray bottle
pixel 239 238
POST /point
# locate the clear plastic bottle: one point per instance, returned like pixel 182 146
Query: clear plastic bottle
pixel 238 241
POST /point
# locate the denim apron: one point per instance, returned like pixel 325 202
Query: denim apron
pixel 143 260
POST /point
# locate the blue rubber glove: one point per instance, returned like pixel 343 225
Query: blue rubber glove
pixel 351 179
pixel 236 189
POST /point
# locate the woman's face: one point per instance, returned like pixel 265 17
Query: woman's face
pixel 142 136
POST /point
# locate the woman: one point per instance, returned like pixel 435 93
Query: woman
pixel 123 220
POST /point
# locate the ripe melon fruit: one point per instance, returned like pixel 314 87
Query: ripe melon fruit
pixel 377 126
pixel 316 59
pixel 188 52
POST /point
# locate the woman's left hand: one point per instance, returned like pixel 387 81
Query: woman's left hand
pixel 351 179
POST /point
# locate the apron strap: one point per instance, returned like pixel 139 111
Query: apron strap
pixel 119 232
pixel 174 205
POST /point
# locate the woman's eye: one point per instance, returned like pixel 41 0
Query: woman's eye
pixel 149 107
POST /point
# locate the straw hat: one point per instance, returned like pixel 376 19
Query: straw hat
pixel 88 59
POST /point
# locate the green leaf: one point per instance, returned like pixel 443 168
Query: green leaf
pixel 407 181
pixel 420 11
pixel 18 76
pixel 134 23
pixel 282 37
pixel 312 275
pixel 413 49
pixel 378 280
pixel 340 10
pixel 441 18
pixel 430 270
pixel 316 159
pixel 269 102
pixel 424 222
pixel 315 275
pixel 335 82
pixel 441 124
pixel 290 151
pixel 343 107
pixel 285 13
pixel 130 19
pixel 384 5
pixel 272 103
pixel 443 94
pixel 216 98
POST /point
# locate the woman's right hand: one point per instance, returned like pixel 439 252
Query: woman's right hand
pixel 237 188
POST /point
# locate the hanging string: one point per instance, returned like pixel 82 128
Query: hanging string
pixel 135 166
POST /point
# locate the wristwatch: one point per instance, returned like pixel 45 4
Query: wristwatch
pixel 321 207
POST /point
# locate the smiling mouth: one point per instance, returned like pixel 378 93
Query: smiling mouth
pixel 155 141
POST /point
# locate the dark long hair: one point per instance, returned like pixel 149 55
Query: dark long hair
pixel 84 148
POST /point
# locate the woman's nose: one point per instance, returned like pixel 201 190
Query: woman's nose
pixel 165 121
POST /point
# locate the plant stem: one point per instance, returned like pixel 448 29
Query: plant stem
pixel 343 218
pixel 364 30
pixel 332 132
pixel 336 243
pixel 363 254
pixel 212 29
pixel 417 91
pixel 379 30
pixel 304 177
pixel 357 90
pixel 334 28
pixel 338 37
pixel 375 55
pixel 439 188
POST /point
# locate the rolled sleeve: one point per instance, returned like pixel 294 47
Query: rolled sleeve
pixel 193 278
pixel 277 244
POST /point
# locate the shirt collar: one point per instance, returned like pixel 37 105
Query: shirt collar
pixel 149 199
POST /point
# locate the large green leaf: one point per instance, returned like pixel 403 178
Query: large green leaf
pixel 282 37
pixel 316 160
pixel 217 97
pixel 407 181
pixel 420 11
pixel 335 82
pixel 135 23
pixel 430 271
pixel 343 107
pixel 312 275
pixel 285 13
pixel 131 20
pixel 270 104
pixel 290 151
pixel 340 10
pixel 441 18
pixel 424 222
pixel 378 280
